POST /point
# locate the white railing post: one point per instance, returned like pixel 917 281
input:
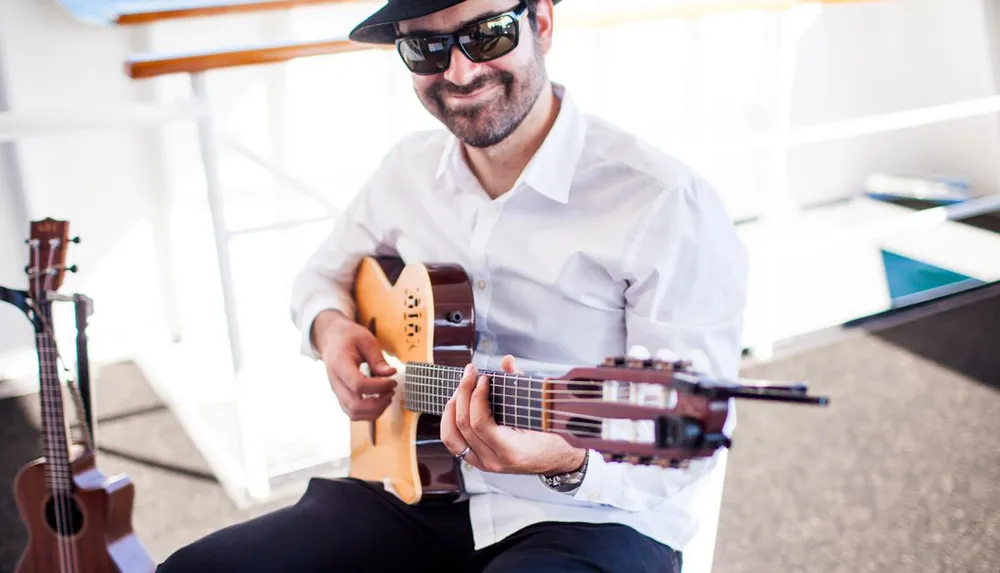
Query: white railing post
pixel 991 22
pixel 779 203
pixel 251 447
pixel 10 167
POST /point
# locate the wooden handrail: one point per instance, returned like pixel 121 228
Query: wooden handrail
pixel 149 12
pixel 147 67
pixel 139 67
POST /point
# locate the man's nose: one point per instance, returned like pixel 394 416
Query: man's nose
pixel 462 70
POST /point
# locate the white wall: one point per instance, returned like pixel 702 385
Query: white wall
pixel 856 59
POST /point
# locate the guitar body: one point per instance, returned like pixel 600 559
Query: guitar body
pixel 418 312
pixel 98 538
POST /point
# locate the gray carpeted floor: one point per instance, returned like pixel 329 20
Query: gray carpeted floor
pixel 901 473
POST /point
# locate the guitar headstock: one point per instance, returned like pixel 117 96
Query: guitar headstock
pixel 47 256
pixel 644 409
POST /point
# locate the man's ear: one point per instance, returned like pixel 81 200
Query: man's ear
pixel 543 24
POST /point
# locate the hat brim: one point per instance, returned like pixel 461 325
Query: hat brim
pixel 379 28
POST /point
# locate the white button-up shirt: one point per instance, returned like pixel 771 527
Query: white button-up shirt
pixel 602 243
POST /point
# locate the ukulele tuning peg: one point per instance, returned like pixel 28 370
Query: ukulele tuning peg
pixel 75 240
pixel 72 269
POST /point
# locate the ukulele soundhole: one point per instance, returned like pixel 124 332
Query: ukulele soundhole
pixel 63 515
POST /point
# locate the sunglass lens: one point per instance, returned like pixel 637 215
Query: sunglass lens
pixel 490 39
pixel 425 55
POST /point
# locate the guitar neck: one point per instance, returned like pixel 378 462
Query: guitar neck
pixel 56 444
pixel 516 399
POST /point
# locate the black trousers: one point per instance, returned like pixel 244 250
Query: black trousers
pixel 347 526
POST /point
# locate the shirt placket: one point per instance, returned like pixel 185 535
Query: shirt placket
pixel 482 284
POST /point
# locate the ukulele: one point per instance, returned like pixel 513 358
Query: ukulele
pixel 631 409
pixel 78 520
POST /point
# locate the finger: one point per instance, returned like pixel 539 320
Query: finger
pixel 358 408
pixel 463 400
pixel 508 365
pixel 345 369
pixel 453 439
pixel 481 414
pixel 371 352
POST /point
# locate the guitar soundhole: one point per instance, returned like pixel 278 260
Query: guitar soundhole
pixel 371 326
pixel 63 515
pixel 583 427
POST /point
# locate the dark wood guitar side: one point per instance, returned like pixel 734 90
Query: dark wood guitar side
pixel 100 536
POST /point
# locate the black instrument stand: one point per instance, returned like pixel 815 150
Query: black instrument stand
pixel 84 307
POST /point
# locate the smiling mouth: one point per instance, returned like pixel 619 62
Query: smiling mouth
pixel 472 95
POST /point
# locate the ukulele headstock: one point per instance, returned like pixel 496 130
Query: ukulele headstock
pixel 47 256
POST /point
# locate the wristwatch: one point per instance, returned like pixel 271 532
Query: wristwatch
pixel 567 482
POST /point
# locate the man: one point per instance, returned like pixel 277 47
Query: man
pixel 582 241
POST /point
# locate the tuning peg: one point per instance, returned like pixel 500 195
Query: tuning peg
pixel 72 269
pixel 638 352
pixel 666 355
pixel 638 357
pixel 75 240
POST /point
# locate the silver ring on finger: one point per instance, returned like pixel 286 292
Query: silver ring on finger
pixel 464 453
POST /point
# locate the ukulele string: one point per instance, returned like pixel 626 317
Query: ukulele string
pixel 63 508
pixel 71 384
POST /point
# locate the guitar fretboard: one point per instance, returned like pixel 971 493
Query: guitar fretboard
pixel 516 398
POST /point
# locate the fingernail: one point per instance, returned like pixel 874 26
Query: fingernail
pixel 468 369
pixel 482 380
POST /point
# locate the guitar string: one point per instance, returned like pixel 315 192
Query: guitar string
pixel 494 373
pixel 431 399
pixel 557 415
pixel 65 548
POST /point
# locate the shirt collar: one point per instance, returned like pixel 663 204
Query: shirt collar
pixel 550 171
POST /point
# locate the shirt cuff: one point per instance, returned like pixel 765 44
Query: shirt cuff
pixel 310 310
pixel 605 484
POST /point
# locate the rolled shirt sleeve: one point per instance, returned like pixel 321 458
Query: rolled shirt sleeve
pixel 326 280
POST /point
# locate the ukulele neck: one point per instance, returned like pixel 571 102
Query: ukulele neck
pixel 55 442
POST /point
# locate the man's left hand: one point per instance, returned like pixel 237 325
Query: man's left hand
pixel 468 421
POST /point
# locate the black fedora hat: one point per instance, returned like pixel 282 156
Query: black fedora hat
pixel 379 28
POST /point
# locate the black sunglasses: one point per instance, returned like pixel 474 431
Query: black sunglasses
pixel 481 41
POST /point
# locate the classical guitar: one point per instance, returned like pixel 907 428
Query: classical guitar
pixel 631 409
pixel 78 520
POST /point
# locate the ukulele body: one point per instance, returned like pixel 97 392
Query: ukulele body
pixel 418 312
pixel 99 539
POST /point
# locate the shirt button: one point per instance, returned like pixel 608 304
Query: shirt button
pixel 481 284
pixel 592 497
pixel 485 344
pixel 467 466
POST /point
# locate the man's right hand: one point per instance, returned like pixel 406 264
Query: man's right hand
pixel 343 345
